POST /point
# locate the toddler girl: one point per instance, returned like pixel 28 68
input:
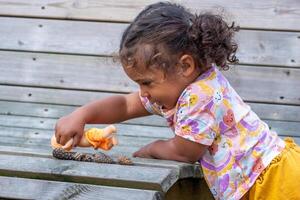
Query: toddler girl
pixel 175 58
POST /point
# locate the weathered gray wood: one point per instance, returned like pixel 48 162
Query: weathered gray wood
pixel 77 98
pixel 74 73
pixel 267 14
pixel 264 111
pixel 42 137
pixel 48 95
pixel 35 80
pixel 265 84
pixel 21 188
pixel 269 48
pixel 276 111
pixel 186 170
pixel 56 111
pixel 43 145
pixel 93 38
pixel 281 127
pixel 49 124
pixel 152 178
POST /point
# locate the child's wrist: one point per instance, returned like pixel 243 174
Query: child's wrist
pixel 81 115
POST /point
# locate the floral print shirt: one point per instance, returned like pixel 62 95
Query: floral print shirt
pixel 240 145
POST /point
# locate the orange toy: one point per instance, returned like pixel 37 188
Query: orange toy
pixel 98 138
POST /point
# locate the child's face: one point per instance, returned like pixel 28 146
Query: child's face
pixel 158 88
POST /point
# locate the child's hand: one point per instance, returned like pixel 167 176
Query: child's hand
pixel 143 152
pixel 68 127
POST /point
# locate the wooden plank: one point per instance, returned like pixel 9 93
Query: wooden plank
pixel 258 84
pixel 23 145
pixel 42 137
pixel 71 72
pixel 21 188
pixel 138 177
pixel 49 124
pixel 57 111
pixel 269 48
pixel 95 38
pixel 268 14
pixel 276 111
pixel 264 111
pixel 282 127
pixel 186 170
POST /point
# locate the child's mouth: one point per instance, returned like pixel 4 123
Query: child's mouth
pixel 162 106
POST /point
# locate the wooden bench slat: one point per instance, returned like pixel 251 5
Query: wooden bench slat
pixel 72 73
pixel 284 128
pixel 258 83
pixel 265 111
pixel 15 148
pixel 186 170
pixel 266 14
pixel 139 177
pixel 40 81
pixel 256 47
pixel 126 137
pixel 56 111
pixel 49 123
pixel 22 188
pixel 268 48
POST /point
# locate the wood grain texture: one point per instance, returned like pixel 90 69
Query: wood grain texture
pixel 69 72
pixel 283 128
pixel 185 170
pixel 98 38
pixel 48 110
pixel 56 55
pixel 49 123
pixel 152 178
pixel 22 188
pixel 268 14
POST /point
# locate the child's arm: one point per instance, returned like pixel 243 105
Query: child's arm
pixel 105 111
pixel 177 148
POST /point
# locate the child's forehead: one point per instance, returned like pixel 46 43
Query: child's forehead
pixel 146 53
pixel 140 72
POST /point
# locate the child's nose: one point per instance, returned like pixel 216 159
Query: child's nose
pixel 145 94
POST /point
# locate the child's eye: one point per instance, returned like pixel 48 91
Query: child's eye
pixel 146 83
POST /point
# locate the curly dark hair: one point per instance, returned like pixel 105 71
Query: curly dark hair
pixel 172 28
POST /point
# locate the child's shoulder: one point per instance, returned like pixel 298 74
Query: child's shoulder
pixel 209 84
pixel 212 94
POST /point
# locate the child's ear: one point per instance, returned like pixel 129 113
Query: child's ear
pixel 187 65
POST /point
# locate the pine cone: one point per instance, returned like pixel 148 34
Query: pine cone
pixel 103 158
pixel 99 157
pixel 123 160
pixel 60 153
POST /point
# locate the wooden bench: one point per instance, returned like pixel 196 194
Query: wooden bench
pixel 56 55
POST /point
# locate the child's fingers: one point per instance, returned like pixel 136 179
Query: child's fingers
pixel 64 139
pixel 57 139
pixel 135 154
pixel 57 135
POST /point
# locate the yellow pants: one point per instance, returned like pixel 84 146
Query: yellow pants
pixel 281 179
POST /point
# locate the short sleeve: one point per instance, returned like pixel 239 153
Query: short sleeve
pixel 151 108
pixel 193 121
